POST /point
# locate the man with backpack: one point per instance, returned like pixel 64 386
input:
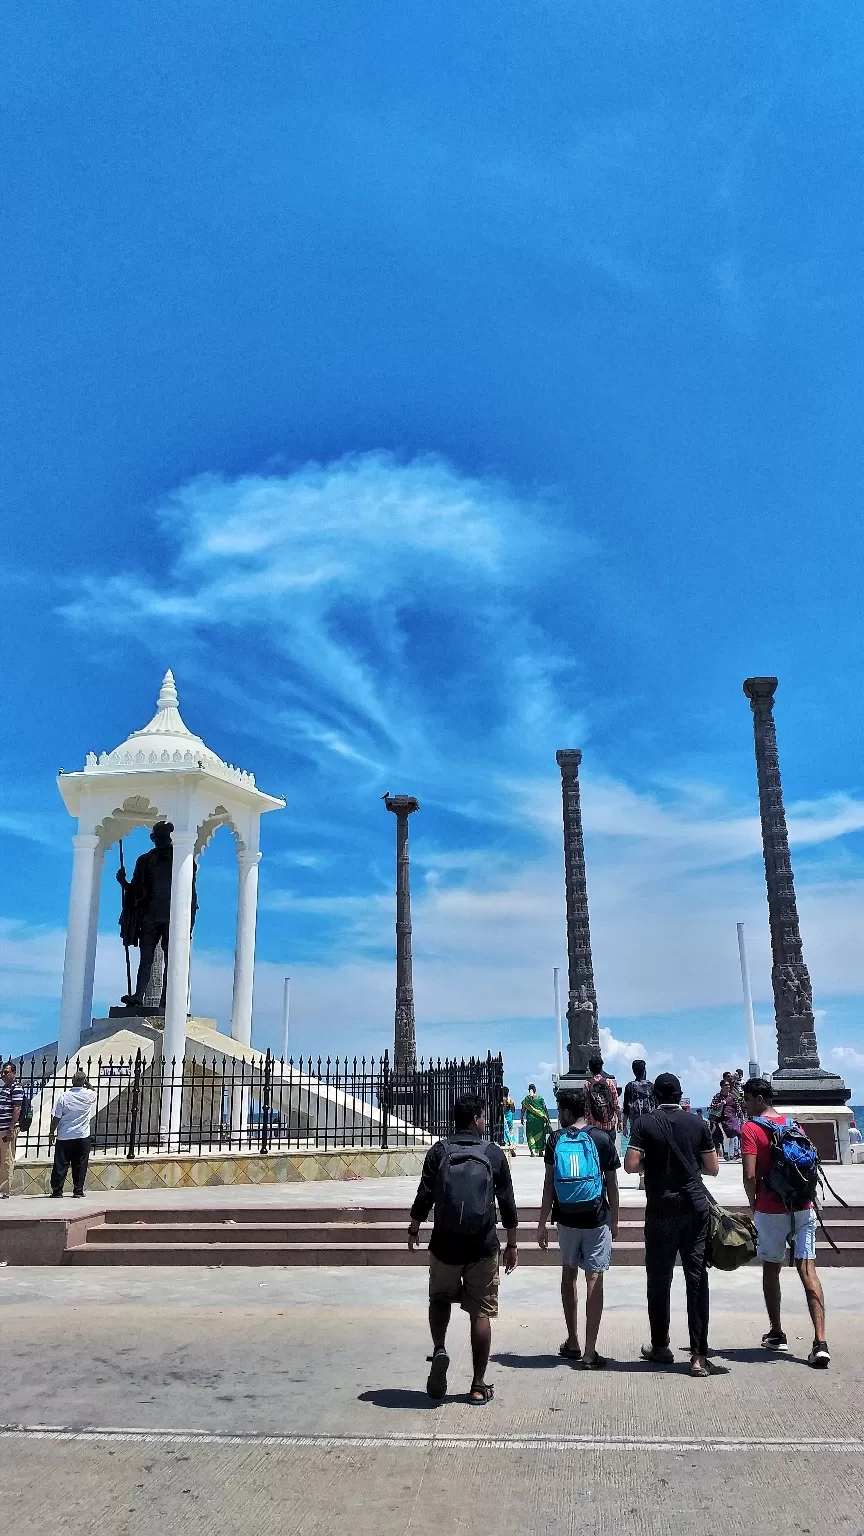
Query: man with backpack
pixel 581 1193
pixel 462 1178
pixel 781 1170
pixel 601 1098
pixel 674 1149
pixel 11 1105
pixel 638 1096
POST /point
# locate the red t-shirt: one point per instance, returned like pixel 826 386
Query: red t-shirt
pixel 756 1141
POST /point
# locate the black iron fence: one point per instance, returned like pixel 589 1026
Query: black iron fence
pixel 220 1103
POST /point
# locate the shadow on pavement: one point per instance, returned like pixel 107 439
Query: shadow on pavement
pixel 399 1397
pixel 544 1362
pixel 756 1356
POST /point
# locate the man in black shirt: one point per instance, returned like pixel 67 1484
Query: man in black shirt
pixel 674 1149
pixel 585 1230
pixel 463 1177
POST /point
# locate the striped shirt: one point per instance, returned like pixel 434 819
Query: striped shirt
pixel 11 1094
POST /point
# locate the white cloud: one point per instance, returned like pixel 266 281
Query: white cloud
pixel 623 1051
pixel 846 1055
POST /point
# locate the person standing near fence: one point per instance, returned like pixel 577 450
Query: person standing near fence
pixel 462 1178
pixel 11 1103
pixel 70 1132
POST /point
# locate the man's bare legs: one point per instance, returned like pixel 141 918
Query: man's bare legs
pixel 593 1313
pixel 569 1303
pixel 812 1290
pixel 771 1292
pixel 481 1336
pixel 815 1295
pixel 439 1320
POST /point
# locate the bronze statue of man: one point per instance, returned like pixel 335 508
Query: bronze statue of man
pixel 146 915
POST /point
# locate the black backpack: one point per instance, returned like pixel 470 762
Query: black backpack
pixel 465 1189
pixel 25 1119
pixel 640 1098
pixel 601 1101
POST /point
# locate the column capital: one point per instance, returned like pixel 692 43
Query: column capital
pixel 568 760
pixel 85 840
pixel 247 857
pixel 184 840
pixel 760 690
pixel 401 805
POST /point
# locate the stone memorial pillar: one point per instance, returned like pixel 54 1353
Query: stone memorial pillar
pixel 799 1079
pixel 582 1001
pixel 405 1043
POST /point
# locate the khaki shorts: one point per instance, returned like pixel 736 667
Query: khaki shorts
pixel 474 1286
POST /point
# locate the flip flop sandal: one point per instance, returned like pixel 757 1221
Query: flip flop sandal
pixel 488 1392
pixel 567 1353
pixel 597 1363
pixel 700 1371
pixel 436 1384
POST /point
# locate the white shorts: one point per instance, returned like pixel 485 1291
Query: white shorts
pixel 588 1248
pixel 773 1232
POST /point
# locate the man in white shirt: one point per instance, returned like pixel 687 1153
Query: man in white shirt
pixel 70 1132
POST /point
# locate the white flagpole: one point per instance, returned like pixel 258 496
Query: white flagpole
pixel 286 1003
pixel 748 1002
pixel 560 1036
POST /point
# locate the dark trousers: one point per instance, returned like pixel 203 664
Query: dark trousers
pixel 73 1154
pixel 666 1235
pixel 152 933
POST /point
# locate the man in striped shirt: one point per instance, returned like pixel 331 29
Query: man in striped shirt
pixel 11 1100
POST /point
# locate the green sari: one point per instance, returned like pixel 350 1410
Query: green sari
pixel 536 1119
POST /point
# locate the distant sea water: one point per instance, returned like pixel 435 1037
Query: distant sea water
pixel 858 1112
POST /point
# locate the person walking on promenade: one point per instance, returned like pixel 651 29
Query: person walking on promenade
pixel 601 1098
pixel 674 1150
pixel 11 1102
pixel 638 1100
pixel 509 1107
pixel 535 1117
pixel 462 1178
pixel 70 1132
pixel 777 1225
pixel 581 1194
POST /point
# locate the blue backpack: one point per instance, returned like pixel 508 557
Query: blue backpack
pixel 576 1170
pixel 794 1173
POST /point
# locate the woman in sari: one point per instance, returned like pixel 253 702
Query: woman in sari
pixel 509 1117
pixel 535 1118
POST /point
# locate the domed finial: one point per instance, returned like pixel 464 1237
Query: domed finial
pixel 168 693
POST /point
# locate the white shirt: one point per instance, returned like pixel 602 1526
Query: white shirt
pixel 74 1110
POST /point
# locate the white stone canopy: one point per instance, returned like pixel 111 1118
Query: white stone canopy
pixel 162 772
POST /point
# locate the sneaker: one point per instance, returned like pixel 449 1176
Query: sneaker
pixel 819 1356
pixel 662 1355
pixel 776 1341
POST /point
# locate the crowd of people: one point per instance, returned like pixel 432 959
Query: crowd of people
pixel 466 1175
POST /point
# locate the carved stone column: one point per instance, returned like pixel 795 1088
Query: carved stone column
pixel 582 1001
pixel 797 1052
pixel 405 1043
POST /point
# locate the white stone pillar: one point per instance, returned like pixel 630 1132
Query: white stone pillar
pixel 244 949
pixel 92 932
pixel 176 1000
pixel 84 846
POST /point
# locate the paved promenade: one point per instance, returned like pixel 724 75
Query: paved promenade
pixel 235 1400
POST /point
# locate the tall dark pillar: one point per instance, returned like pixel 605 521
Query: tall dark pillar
pixel 405 1043
pixel 582 1000
pixel 797 1053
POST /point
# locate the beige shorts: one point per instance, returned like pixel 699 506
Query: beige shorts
pixel 474 1286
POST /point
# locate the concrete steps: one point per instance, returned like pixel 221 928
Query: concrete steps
pixel 352 1235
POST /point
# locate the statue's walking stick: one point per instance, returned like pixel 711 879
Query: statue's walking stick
pixel 125 945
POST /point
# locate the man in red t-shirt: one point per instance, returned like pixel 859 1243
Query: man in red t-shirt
pixel 776 1226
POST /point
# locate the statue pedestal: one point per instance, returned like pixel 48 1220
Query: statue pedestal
pixel 817 1100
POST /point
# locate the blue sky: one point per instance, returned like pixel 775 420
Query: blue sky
pixel 431 391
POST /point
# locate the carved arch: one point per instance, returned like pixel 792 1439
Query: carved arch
pixel 136 811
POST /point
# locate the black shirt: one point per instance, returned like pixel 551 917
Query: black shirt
pixel 673 1180
pixel 447 1246
pixel 608 1157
